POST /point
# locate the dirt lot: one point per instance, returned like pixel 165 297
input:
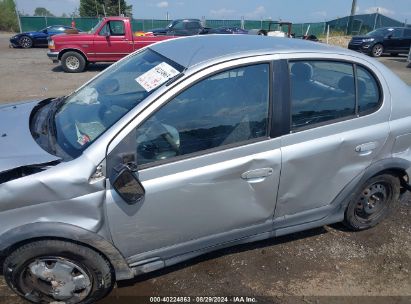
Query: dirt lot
pixel 324 265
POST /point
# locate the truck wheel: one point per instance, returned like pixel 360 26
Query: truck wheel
pixel 58 271
pixel 377 50
pixel 26 42
pixel 373 202
pixel 262 33
pixel 73 62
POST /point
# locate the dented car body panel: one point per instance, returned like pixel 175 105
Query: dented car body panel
pixel 277 180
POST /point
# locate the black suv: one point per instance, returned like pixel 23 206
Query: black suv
pixel 393 40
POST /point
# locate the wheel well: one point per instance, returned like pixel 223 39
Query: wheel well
pixel 400 173
pixel 13 247
pixel 72 50
pixel 397 172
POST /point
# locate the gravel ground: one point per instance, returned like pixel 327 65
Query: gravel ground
pixel 323 265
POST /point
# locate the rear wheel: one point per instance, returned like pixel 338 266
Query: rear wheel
pixel 26 42
pixel 377 50
pixel 73 62
pixel 49 271
pixel 373 202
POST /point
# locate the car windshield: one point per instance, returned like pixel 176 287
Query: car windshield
pixel 380 32
pixel 82 117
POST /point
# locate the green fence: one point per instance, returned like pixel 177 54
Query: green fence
pixel 38 23
pixel 361 24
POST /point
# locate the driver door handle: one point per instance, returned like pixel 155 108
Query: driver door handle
pixel 257 173
pixel 367 148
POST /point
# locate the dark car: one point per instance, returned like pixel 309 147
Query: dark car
pixel 29 39
pixel 227 30
pixel 392 40
pixel 181 27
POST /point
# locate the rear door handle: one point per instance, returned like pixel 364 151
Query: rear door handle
pixel 257 173
pixel 367 148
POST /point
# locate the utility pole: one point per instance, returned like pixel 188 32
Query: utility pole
pixel 18 16
pixel 119 8
pixel 351 18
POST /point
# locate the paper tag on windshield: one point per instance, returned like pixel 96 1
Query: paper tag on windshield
pixel 156 76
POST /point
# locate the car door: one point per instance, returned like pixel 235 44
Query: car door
pixel 208 165
pixel 42 36
pixel 178 29
pixel 394 41
pixel 192 28
pixel 331 141
pixel 112 43
pixel 406 41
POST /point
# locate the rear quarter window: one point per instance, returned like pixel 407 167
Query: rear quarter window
pixel 368 92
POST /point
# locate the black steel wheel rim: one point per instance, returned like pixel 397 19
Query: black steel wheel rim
pixel 373 201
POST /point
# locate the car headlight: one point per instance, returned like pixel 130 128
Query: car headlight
pixel 368 40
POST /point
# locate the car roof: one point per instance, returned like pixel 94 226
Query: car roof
pixel 193 50
pixel 186 20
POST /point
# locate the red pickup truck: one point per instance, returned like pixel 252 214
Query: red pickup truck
pixel 110 40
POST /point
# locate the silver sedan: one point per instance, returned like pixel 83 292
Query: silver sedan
pixel 191 145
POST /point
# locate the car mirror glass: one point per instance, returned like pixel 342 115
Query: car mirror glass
pixel 127 185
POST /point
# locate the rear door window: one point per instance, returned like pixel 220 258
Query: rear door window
pixel 321 91
pixel 328 91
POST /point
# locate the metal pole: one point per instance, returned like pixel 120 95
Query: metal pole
pixel 95 1
pixel 119 8
pixel 104 11
pixel 350 19
pixel 18 18
pixel 328 33
pixel 376 18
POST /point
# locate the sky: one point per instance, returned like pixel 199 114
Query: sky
pixel 289 10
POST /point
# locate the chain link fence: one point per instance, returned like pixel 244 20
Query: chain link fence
pixel 361 24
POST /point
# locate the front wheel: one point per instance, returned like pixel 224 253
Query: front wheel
pixel 58 271
pixel 377 50
pixel 73 62
pixel 26 42
pixel 373 202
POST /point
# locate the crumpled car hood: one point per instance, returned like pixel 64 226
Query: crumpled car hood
pixel 17 146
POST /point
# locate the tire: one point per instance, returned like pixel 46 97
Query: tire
pixel 373 202
pixel 26 42
pixel 36 270
pixel 262 33
pixel 73 62
pixel 377 50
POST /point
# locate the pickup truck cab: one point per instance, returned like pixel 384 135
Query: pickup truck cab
pixel 110 40
pixel 182 27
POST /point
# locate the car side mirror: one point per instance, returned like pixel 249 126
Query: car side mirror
pixel 45 31
pixel 127 185
pixel 389 36
pixel 107 34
